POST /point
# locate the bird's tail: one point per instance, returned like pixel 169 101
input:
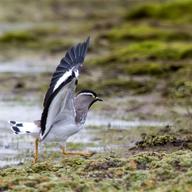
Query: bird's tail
pixel 30 128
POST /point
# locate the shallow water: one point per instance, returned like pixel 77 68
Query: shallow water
pixel 4 27
pixel 28 65
pixel 16 149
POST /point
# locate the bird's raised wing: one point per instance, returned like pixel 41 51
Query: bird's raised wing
pixel 60 95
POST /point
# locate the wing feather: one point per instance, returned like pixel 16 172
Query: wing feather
pixel 61 107
pixel 67 63
pixel 65 73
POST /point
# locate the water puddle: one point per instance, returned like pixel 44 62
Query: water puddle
pixel 4 27
pixel 28 65
pixel 94 120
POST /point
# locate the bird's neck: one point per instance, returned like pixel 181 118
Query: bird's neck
pixel 81 114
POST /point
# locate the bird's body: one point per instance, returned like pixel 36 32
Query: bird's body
pixel 64 114
pixel 62 130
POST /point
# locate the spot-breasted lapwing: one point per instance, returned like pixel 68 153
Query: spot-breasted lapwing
pixel 64 114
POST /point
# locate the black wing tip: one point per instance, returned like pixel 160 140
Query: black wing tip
pixel 76 54
pixel 87 41
pixel 73 59
pixel 86 44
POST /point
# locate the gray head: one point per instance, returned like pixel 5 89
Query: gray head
pixel 83 101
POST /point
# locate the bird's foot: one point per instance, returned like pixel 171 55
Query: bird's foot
pixel 84 154
pixel 35 160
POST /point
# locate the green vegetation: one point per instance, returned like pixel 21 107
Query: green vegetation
pixel 151 41
pixel 145 171
pixel 129 31
pixel 180 11
pixel 151 50
pixel 45 39
pixel 148 58
pixel 166 140
pixel 152 69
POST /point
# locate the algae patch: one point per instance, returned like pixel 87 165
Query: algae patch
pixel 44 38
pixel 180 11
pixel 103 172
pixel 129 32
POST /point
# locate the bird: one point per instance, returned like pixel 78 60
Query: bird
pixel 64 112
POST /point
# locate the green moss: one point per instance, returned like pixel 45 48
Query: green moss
pixel 147 50
pixel 104 164
pixel 166 142
pixel 179 85
pixel 34 34
pixel 144 171
pixel 150 68
pixel 45 38
pixel 153 50
pixel 141 31
pixel 182 89
pixel 18 36
pixel 180 11
pixel 152 140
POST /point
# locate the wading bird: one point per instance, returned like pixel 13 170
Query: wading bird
pixel 64 114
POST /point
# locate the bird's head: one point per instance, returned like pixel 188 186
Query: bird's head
pixel 87 98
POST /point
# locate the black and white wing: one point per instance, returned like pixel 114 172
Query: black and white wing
pixel 60 95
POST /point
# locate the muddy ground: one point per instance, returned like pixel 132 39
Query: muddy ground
pixel 139 62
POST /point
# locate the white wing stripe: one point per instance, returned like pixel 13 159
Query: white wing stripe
pixel 63 78
pixel 76 73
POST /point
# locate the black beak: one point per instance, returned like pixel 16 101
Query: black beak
pixel 98 99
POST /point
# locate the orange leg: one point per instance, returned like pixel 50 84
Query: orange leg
pixel 36 154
